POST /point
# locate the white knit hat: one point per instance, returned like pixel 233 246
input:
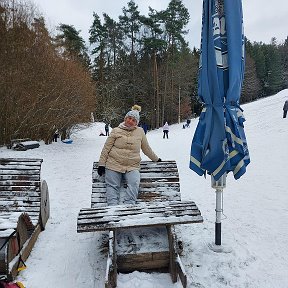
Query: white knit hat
pixel 134 112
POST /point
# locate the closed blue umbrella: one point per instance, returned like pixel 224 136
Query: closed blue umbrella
pixel 219 143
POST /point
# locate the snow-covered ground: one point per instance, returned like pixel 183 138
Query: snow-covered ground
pixel 254 225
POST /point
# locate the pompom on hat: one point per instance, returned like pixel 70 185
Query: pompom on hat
pixel 134 112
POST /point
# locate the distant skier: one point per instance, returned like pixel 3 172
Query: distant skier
pixel 165 130
pixel 285 109
pixel 107 129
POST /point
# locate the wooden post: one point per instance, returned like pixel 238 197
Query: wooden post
pixel 181 272
pixel 111 269
pixel 172 253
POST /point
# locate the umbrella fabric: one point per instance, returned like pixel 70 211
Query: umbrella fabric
pixel 219 144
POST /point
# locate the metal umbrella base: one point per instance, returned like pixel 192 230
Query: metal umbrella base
pixel 219 185
pixel 220 248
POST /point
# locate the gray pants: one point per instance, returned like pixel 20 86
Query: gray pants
pixel 113 182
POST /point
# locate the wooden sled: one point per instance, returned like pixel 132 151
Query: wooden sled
pixel 149 223
pixel 24 211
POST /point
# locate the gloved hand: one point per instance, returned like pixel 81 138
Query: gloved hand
pixel 101 170
pixel 159 160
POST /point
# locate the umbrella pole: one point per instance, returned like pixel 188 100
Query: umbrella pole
pixel 218 185
pixel 219 211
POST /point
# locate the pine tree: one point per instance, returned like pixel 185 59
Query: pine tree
pixel 71 44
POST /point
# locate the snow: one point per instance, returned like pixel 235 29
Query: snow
pixel 254 224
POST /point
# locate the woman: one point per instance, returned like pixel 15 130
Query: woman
pixel 120 158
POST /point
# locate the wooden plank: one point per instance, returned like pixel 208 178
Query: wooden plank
pixel 25 198
pixel 13 203
pixel 166 208
pixel 20 169
pixel 181 272
pixel 121 216
pixel 3 161
pixel 148 197
pixel 164 192
pixel 153 185
pixel 13 176
pixel 143 261
pixel 27 209
pixel 19 182
pixel 21 194
pixel 143 164
pixel 172 253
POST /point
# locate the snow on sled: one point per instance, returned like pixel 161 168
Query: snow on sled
pixel 23 144
pixel 142 236
pixel 24 211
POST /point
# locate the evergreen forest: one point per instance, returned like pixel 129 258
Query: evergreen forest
pixel 56 81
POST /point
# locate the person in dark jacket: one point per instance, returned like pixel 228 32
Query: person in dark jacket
pixel 285 109
pixel 107 129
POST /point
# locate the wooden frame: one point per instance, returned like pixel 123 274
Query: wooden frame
pixel 24 211
pixel 159 206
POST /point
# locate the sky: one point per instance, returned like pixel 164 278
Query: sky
pixel 254 250
pixel 262 19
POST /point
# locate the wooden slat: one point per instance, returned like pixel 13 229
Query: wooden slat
pixel 21 202
pixel 21 166
pixel 126 216
pixel 19 188
pixel 143 261
pixel 17 160
pixel 169 195
pixel 153 185
pixel 28 209
pixel 13 174
pixel 19 182
pixel 169 163
pixel 167 209
pixel 143 196
pixel 19 193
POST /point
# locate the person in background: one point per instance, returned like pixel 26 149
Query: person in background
pixel 165 130
pixel 145 127
pixel 107 129
pixel 285 109
pixel 55 135
pixel 120 158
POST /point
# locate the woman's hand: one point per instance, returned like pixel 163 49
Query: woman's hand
pixel 101 170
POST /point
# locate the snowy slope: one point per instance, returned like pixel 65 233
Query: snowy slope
pixel 255 228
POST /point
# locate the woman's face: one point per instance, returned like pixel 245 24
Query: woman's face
pixel 130 121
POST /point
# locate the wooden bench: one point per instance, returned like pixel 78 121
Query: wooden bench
pixel 150 222
pixel 24 211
